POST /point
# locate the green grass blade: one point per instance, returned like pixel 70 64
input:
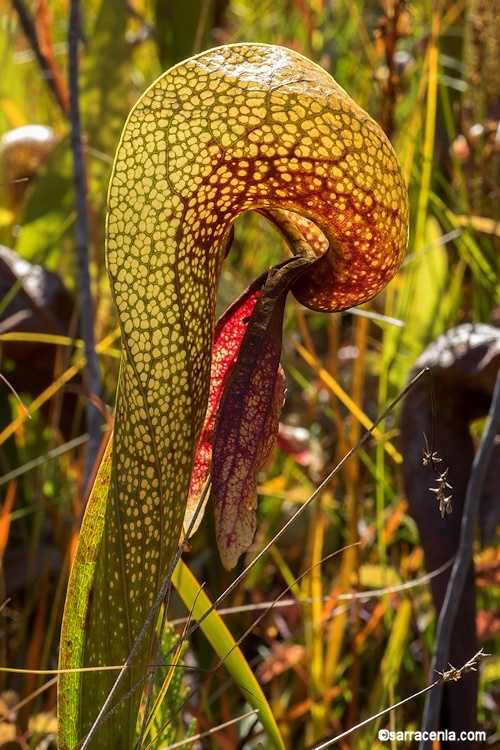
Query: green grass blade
pixel 225 647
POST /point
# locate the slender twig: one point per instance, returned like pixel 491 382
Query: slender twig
pixel 452 674
pixel 82 245
pixel 13 390
pixel 154 670
pixel 352 596
pixel 30 32
pixel 43 459
pixel 189 740
pixel 462 561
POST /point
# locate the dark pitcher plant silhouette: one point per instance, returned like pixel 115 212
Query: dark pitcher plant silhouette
pixel 236 128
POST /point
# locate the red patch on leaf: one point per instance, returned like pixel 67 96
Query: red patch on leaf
pixel 228 335
pixel 248 417
pixel 235 486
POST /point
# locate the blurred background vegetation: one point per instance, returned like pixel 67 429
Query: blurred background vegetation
pixel 429 73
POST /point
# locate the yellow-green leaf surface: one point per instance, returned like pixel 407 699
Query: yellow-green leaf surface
pixel 78 598
pixel 225 647
pixel 236 128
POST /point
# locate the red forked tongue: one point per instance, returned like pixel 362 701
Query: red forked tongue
pixel 244 406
